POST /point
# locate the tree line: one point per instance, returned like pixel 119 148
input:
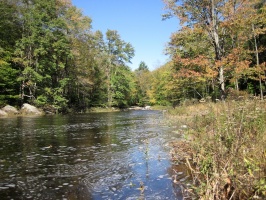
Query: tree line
pixel 219 52
pixel 219 48
pixel 50 56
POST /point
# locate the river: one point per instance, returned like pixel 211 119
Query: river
pixel 119 155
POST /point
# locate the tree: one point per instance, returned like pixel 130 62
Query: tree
pixel 10 31
pixel 143 82
pixel 225 25
pixel 8 83
pixel 123 87
pixel 42 52
pixel 258 28
pixel 118 54
pixel 207 16
pixel 143 66
pixel 50 56
pixel 83 70
pixel 245 26
pixel 160 89
pixel 192 57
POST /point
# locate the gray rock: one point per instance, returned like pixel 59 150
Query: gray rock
pixel 3 113
pixel 147 108
pixel 10 110
pixel 28 109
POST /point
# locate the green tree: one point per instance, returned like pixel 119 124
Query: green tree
pixel 10 31
pixel 123 87
pixel 160 89
pixel 143 82
pixel 8 84
pixel 43 51
pixel 118 54
pixel 99 92
pixel 83 69
pixel 143 66
pixel 50 56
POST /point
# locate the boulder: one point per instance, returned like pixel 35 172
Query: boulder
pixel 10 110
pixel 28 109
pixel 147 108
pixel 3 113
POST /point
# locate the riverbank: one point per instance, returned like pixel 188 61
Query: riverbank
pixel 29 110
pixel 224 147
pixel 114 109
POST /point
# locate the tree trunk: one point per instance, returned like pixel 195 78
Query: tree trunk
pixel 109 91
pixel 257 61
pixel 218 50
pixel 236 85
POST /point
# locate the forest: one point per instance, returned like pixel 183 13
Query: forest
pixel 51 57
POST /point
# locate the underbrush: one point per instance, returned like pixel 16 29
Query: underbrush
pixel 228 144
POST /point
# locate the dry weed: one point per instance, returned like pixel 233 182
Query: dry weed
pixel 228 143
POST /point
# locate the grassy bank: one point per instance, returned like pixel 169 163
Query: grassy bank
pixel 227 144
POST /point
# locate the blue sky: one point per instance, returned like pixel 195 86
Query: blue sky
pixel 138 22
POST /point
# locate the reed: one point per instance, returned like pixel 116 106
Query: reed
pixel 228 147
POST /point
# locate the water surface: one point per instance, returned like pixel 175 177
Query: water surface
pixel 87 156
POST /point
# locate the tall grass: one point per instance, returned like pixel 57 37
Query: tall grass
pixel 228 142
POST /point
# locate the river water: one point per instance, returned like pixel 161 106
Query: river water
pixel 120 155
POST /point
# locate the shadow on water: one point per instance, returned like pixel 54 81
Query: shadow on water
pixel 88 156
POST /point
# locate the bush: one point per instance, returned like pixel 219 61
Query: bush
pixel 233 94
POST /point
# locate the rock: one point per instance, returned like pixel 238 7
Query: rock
pixel 136 108
pixel 147 107
pixel 3 113
pixel 28 109
pixel 10 110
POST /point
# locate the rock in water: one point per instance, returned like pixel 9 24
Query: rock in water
pixel 10 110
pixel 28 109
pixel 147 108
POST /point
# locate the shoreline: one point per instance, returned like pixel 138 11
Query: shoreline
pixel 41 112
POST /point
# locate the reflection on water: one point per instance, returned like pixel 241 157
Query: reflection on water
pixel 88 156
